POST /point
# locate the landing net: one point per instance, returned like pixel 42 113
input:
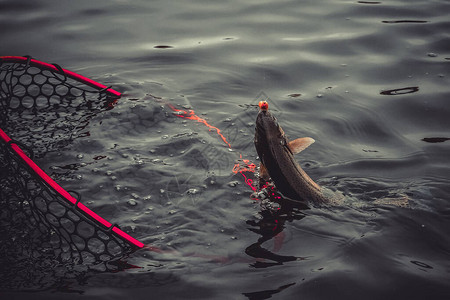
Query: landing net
pixel 44 107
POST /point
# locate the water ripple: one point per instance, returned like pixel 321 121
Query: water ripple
pixel 216 58
pixel 400 91
pixel 435 139
pixel 404 21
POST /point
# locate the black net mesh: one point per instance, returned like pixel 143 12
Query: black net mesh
pixel 38 226
pixel 33 209
pixel 45 108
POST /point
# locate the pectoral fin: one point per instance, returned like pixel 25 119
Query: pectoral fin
pixel 300 144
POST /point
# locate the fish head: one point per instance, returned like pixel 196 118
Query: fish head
pixel 267 127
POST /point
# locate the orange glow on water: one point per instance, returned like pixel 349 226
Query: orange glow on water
pixel 246 166
pixel 190 115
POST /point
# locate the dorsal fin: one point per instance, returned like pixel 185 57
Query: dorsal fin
pixel 300 144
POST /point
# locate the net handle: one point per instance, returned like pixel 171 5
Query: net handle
pixel 66 195
pixel 57 69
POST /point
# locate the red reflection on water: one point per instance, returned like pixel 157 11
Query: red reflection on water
pixel 271 191
pixel 245 166
pixel 190 115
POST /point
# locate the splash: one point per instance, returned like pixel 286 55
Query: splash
pixel 190 115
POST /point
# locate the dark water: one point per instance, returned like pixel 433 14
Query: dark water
pixel 368 80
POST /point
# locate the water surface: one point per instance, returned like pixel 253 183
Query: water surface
pixel 368 80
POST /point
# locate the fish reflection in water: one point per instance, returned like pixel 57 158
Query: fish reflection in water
pixel 266 294
pixel 270 226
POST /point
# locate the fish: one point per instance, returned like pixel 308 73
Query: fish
pixel 277 162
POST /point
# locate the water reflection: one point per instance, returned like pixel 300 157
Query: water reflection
pixel 435 139
pixel 266 294
pixel 404 21
pixel 271 226
pixel 369 2
pixel 366 145
pixel 400 91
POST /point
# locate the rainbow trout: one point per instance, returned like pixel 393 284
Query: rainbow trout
pixel 276 153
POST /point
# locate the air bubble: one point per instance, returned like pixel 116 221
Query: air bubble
pixel 132 202
pixel 192 191
pixel 233 183
pixel 262 195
